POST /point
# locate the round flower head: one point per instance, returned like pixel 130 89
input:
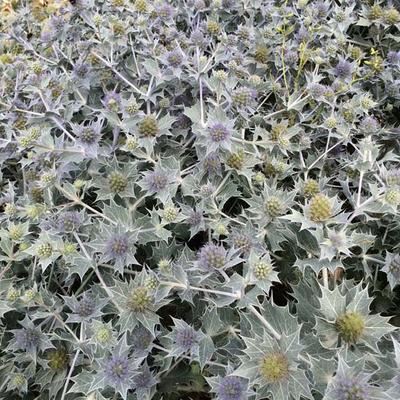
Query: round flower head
pixel 198 39
pixel 212 164
pixel 148 126
pixel 68 221
pixel 244 97
pixel 140 299
pixel 274 367
pixel 86 307
pixel 157 180
pixel 274 207
pixel 316 90
pixel 141 339
pixel 369 125
pixel 103 335
pixel 232 388
pixel 350 327
pixel 58 359
pixel 195 218
pixel 212 256
pixel 174 58
pixel 219 132
pixel 117 370
pixel 392 177
pixel 118 246
pixel 27 338
pixel 351 389
pixel 81 70
pixel 185 338
pixel 393 57
pixel 112 101
pixel 320 208
pixel 117 182
pixel 143 382
pixel 343 69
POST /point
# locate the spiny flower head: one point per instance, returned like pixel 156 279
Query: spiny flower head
pixel 170 213
pixel 103 335
pixel 232 388
pixel 275 367
pixel 320 208
pixel 274 207
pixel 157 180
pixel 68 221
pixel 141 338
pixel 174 58
pixel 212 256
pixel 148 126
pixel 219 132
pixel 86 307
pixel 261 270
pixel 117 182
pixel 369 125
pixel 118 246
pixel 117 369
pixel 310 187
pixel 349 388
pixel 112 99
pixel 58 359
pixel 392 196
pixel 19 380
pixel 343 69
pixel 236 160
pixel 44 250
pixel 186 338
pixel 140 299
pixel 28 338
pixel 350 326
pixel 243 97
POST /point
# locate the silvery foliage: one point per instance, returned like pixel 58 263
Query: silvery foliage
pixel 199 199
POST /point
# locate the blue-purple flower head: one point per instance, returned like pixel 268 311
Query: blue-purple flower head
pixel 290 56
pixel 81 70
pixel 244 97
pixel 89 135
pixel 174 58
pixel 302 34
pixel 316 90
pixel 212 164
pixel 343 69
pixel 186 338
pixel 212 256
pixel 321 9
pixel 219 132
pixel 232 388
pixel 86 307
pixel 117 371
pixel 195 218
pixel 369 125
pixel 28 339
pixel 198 39
pixel 143 382
pixel 393 57
pixel 111 101
pixel 165 11
pixel 157 180
pixel 351 389
pixel 141 339
pixel 68 221
pixel 118 246
pixel 56 23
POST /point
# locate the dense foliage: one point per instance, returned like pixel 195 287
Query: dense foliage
pixel 199 199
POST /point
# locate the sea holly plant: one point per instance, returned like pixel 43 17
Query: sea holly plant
pixel 199 199
pixel 345 318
